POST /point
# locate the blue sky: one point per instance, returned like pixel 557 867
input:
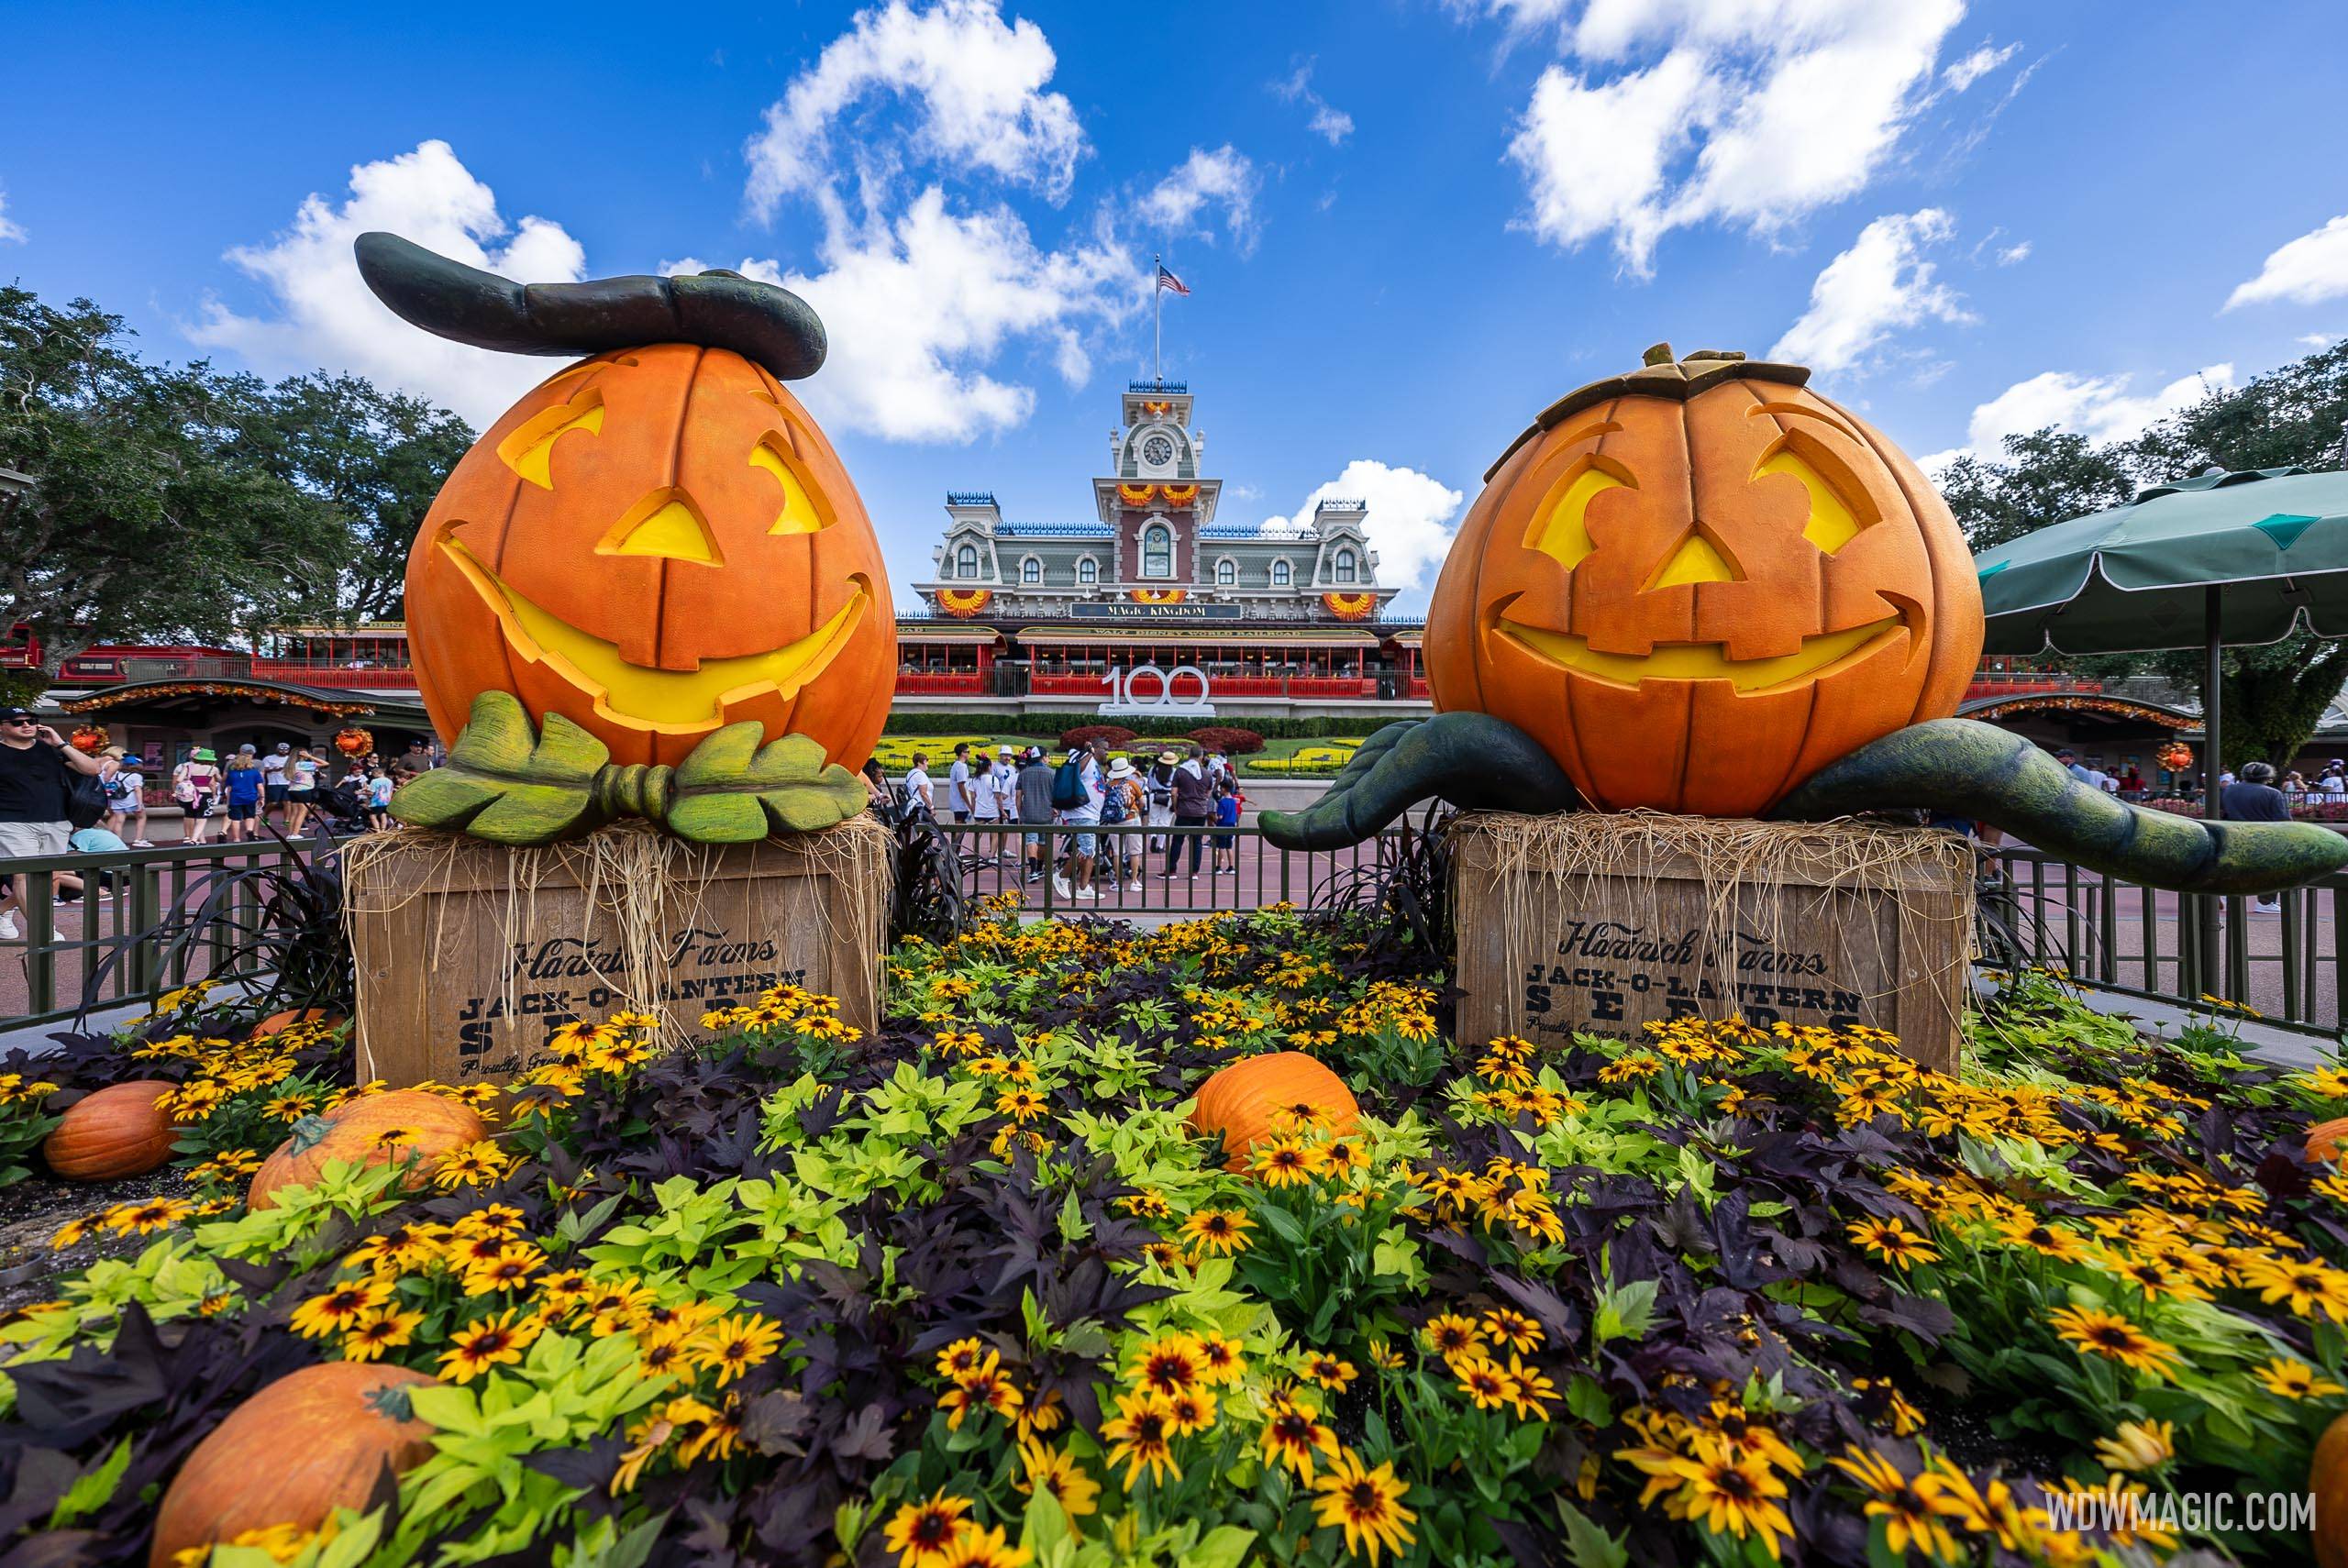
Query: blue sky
pixel 1408 225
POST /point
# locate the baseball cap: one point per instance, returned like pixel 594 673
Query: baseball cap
pixel 8 713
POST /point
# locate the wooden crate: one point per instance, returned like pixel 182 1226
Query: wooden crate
pixel 1603 923
pixel 468 953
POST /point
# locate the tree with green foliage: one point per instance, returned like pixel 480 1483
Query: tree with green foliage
pixel 2272 696
pixel 146 516
pixel 377 458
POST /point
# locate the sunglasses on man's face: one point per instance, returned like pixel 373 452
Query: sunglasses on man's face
pixel 29 723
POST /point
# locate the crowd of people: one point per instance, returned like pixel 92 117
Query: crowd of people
pixel 1019 792
pixel 57 800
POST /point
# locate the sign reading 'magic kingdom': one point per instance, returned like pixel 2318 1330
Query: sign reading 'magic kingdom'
pixel 1120 610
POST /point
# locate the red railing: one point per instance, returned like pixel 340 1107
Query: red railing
pixel 935 683
pixel 375 677
pixel 2026 683
pixel 1220 685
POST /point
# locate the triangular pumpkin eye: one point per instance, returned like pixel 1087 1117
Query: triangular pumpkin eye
pixel 530 451
pixel 799 514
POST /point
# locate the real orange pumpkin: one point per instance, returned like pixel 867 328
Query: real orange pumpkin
pixel 2324 1138
pixel 1698 583
pixel 113 1133
pixel 370 1130
pixel 1239 1100
pixel 655 543
pixel 310 1442
pixel 2328 1479
pixel 287 1019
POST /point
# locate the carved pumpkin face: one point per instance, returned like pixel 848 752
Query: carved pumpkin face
pixel 655 543
pixel 1696 584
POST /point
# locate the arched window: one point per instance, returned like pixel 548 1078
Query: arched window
pixel 965 561
pixel 1225 574
pixel 1156 552
pixel 1343 571
pixel 1279 573
pixel 1031 570
pixel 1088 571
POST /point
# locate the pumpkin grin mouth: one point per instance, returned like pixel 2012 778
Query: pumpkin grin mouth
pixel 671 701
pixel 1818 657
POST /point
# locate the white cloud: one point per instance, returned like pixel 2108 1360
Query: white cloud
pixel 2317 339
pixel 2099 407
pixel 1751 112
pixel 1224 178
pixel 1408 522
pixel 2308 270
pixel 324 314
pixel 977 85
pixel 1881 284
pixel 917 307
pixel 1331 125
pixel 8 230
pixel 1965 71
pixel 2010 254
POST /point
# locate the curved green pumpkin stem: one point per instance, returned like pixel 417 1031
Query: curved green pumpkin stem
pixel 1972 769
pixel 1469 759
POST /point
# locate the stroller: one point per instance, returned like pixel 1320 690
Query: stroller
pixel 344 807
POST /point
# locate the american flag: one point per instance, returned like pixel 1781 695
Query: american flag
pixel 1166 280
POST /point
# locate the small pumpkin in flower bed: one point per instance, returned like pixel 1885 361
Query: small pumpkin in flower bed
pixel 2324 1138
pixel 277 1021
pixel 1240 1100
pixel 313 1441
pixel 2328 1479
pixel 113 1133
pixel 369 1130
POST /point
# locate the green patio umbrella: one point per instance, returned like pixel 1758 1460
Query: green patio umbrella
pixel 2224 559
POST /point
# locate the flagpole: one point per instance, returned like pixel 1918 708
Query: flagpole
pixel 1157 311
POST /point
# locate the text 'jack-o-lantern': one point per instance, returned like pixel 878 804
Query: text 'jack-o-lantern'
pixel 656 542
pixel 1698 583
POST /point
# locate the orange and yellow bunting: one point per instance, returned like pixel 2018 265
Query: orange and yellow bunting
pixel 1350 606
pixel 1156 595
pixel 1176 496
pixel 964 602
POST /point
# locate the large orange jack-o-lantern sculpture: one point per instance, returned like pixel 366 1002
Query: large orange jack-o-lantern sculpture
pixel 1696 584
pixel 1702 588
pixel 653 549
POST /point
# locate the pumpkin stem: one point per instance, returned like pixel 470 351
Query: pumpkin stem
pixel 1657 354
pixel 308 1131
pixel 391 1402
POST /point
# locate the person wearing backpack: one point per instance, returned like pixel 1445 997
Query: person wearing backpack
pixel 1123 803
pixel 1034 794
pixel 1194 808
pixel 1079 780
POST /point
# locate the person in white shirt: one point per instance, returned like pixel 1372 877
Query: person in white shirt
pixel 919 790
pixel 986 809
pixel 1006 787
pixel 958 783
pixel 1085 845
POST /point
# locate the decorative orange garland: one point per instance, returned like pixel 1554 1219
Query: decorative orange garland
pixel 964 602
pixel 1177 496
pixel 1349 606
pixel 1156 595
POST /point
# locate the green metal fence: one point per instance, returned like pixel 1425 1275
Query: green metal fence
pixel 66 936
pixel 1132 881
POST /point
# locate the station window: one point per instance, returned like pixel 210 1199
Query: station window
pixel 1031 570
pixel 1225 574
pixel 1088 571
pixel 1280 573
pixel 1156 552
pixel 1343 571
pixel 965 561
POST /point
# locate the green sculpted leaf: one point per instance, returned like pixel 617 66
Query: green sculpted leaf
pixel 508 784
pixel 731 790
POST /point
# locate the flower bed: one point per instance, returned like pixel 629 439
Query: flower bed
pixel 973 1293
